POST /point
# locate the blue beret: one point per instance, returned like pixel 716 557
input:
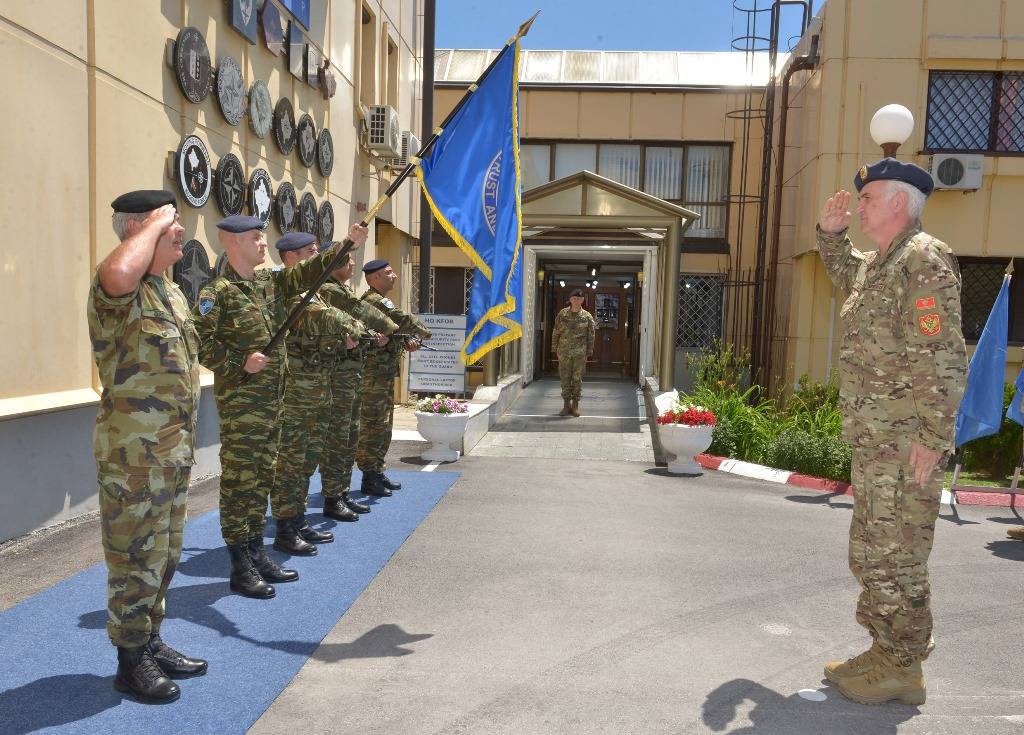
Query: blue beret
pixel 890 169
pixel 294 241
pixel 239 223
pixel 144 200
pixel 375 265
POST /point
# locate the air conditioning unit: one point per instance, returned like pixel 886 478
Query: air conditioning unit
pixel 384 135
pixel 410 147
pixel 957 170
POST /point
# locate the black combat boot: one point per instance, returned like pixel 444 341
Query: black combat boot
pixel 373 486
pixel 245 578
pixel 353 505
pixel 388 482
pixel 267 567
pixel 337 509
pixel 140 676
pixel 174 663
pixel 311 534
pixel 288 539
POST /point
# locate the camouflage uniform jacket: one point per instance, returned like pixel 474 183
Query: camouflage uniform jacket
pixel 388 359
pixel 902 360
pixel 235 317
pixel 147 352
pixel 573 333
pixel 317 341
pixel 342 296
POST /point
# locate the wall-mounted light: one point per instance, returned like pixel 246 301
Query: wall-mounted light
pixel 594 285
pixel 890 127
pixel 593 269
pixel 561 284
pixel 627 284
pixel 540 275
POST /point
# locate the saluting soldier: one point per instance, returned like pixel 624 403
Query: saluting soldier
pixel 903 365
pixel 376 415
pixel 322 338
pixel 235 318
pixel 146 351
pixel 572 339
pixel 341 420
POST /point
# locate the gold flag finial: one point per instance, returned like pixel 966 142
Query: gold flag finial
pixel 1009 268
pixel 525 27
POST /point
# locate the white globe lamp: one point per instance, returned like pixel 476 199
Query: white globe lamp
pixel 891 126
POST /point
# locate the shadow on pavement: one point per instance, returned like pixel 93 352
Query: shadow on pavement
pixel 822 499
pixel 1007 549
pixel 55 701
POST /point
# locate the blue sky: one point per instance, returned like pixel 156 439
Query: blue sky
pixel 661 25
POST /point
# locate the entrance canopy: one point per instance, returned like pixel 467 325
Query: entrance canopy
pixel 586 216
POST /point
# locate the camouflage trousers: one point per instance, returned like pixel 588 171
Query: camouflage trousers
pixel 376 416
pixel 891 537
pixel 249 438
pixel 570 374
pixel 341 433
pixel 142 517
pixel 307 398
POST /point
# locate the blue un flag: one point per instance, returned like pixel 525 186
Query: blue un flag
pixel 981 409
pixel 471 179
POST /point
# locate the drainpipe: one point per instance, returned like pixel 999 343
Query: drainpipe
pixel 426 125
pixel 801 64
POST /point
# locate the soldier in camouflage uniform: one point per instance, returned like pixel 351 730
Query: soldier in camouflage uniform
pixel 903 366
pixel 572 339
pixel 383 364
pixel 322 337
pixel 235 317
pixel 340 421
pixel 146 351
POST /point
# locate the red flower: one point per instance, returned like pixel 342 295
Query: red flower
pixel 687 416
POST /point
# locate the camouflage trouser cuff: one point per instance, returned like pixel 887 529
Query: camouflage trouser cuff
pixel 130 638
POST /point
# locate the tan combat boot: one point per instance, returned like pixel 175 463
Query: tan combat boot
pixel 1017 533
pixel 576 407
pixel 859 664
pixel 566 407
pixel 886 681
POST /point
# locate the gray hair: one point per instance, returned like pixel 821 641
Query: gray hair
pixel 120 221
pixel 915 197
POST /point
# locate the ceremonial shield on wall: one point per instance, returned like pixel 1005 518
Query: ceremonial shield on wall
pixel 325 152
pixel 284 125
pixel 307 140
pixel 193 171
pixel 230 90
pixel 273 33
pixel 244 17
pixel 261 113
pixel 307 214
pixel 192 272
pixel 296 51
pixel 312 66
pixel 261 195
pixel 325 222
pixel 287 208
pixel 192 64
pixel 230 185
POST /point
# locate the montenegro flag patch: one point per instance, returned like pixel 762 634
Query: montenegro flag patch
pixel 929 324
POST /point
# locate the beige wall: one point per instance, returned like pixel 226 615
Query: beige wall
pixel 93 111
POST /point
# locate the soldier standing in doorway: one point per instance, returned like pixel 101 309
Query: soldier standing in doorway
pixel 572 339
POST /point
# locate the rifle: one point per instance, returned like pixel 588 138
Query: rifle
pixel 397 335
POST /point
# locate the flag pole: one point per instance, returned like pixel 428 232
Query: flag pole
pixel 347 244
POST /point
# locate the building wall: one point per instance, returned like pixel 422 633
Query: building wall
pixel 93 111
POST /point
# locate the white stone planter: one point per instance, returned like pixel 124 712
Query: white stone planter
pixel 442 430
pixel 682 443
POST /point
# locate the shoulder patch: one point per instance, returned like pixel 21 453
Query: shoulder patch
pixel 205 306
pixel 929 324
pixel 388 303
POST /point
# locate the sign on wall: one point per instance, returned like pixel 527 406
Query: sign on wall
pixel 300 9
pixel 273 32
pixel 244 17
pixel 296 51
pixel 440 371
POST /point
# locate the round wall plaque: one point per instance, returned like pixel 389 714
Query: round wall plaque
pixel 230 90
pixel 230 189
pixel 284 125
pixel 261 111
pixel 325 222
pixel 325 152
pixel 220 265
pixel 307 214
pixel 261 195
pixel 194 170
pixel 192 64
pixel 287 208
pixel 307 140
pixel 192 272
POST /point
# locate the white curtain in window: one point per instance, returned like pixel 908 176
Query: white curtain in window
pixel 663 172
pixel 711 223
pixel 571 158
pixel 707 181
pixel 535 165
pixel 620 163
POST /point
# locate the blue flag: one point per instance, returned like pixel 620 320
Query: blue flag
pixel 1015 411
pixel 981 410
pixel 471 180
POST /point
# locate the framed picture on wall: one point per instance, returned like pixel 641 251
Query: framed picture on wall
pixel 244 17
pixel 273 31
pixel 606 310
pixel 296 51
pixel 300 9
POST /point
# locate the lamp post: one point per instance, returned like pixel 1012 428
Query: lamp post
pixel 890 128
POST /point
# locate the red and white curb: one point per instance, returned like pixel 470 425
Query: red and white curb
pixel 785 477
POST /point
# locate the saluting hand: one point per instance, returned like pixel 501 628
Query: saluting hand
pixel 835 215
pixel 255 362
pixel 161 218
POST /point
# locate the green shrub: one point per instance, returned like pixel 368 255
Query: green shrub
pixel 724 367
pixel 820 455
pixel 996 456
pixel 814 408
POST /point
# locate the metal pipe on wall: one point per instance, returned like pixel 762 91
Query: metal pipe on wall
pixel 669 305
pixel 427 124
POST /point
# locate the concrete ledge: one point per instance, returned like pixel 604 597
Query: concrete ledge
pixel 489 403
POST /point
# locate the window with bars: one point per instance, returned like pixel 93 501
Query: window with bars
pixel 449 289
pixel 975 112
pixel 701 311
pixel 980 282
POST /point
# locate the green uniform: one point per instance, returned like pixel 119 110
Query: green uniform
pixel 572 339
pixel 316 345
pixel 340 421
pixel 376 414
pixel 146 351
pixel 903 365
pixel 235 317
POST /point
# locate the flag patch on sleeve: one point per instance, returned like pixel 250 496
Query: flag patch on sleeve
pixel 927 302
pixel 929 324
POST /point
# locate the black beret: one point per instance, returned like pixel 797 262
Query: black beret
pixel 576 292
pixel 890 169
pixel 144 200
pixel 375 265
pixel 295 241
pixel 239 223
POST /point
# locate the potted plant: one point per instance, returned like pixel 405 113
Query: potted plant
pixel 685 430
pixel 442 421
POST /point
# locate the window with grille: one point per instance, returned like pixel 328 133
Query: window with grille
pixel 980 282
pixel 975 112
pixel 701 311
pixel 449 289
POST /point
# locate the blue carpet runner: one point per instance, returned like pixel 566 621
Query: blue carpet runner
pixel 58 664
